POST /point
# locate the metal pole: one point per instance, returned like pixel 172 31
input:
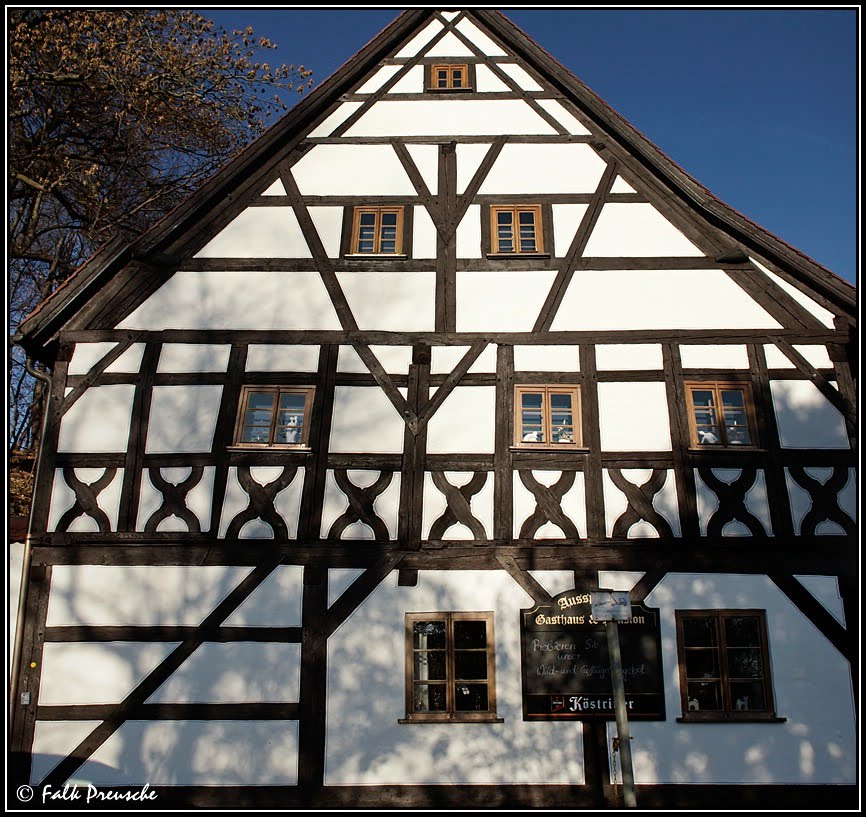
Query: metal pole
pixel 621 715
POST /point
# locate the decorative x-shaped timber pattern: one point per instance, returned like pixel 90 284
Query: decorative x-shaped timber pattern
pixel 732 501
pixel 825 500
pixel 261 504
pixel 174 499
pixel 361 501
pixel 548 507
pixel 85 499
pixel 458 500
pixel 640 503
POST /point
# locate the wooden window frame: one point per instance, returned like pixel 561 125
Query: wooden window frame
pixel 430 70
pixel 717 386
pixel 354 249
pixel 451 714
pixel 546 390
pixel 277 391
pixel 729 712
pixel 539 250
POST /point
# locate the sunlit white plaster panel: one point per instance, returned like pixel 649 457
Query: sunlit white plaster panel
pixel 822 314
pixel 423 234
pixel 275 189
pixel 96 673
pixel 365 420
pixel 469 158
pixel 806 418
pixel 259 232
pixel 63 498
pixel 826 590
pixel 550 168
pixel 204 753
pixel 426 158
pixel 480 505
pixel 340 580
pixel 409 305
pixel 444 359
pixel 464 422
pixel 634 417
pixel 182 418
pixel 620 185
pixel 469 233
pixel 328 222
pixel 449 46
pixel 755 501
pixel 664 503
pixel 385 506
pixel 276 602
pixel 555 581
pixel 53 741
pixel 625 356
pixel 395 359
pixel 97 594
pixel 520 77
pixel 193 357
pixel 198 499
pixel 98 421
pixel 506 301
pixel 709 356
pixel 412 82
pixel 565 118
pixel 87 355
pixel 560 358
pixel 450 117
pixel 619 579
pixel 352 170
pixel 816 355
pixel 420 39
pixel 273 357
pixel 287 503
pixel 636 230
pixel 813 695
pixel 566 220
pixel 658 299
pixel 573 504
pixel 375 82
pixel 364 653
pixel 335 119
pixel 237 300
pixel 236 672
pixel 479 38
pixel 487 82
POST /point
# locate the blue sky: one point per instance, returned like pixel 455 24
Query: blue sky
pixel 759 105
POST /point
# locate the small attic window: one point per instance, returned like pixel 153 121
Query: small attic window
pixel 516 230
pixel 274 416
pixel 449 77
pixel 377 231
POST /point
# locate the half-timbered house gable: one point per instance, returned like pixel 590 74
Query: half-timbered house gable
pixel 450 339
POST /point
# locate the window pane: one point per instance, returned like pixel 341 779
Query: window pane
pixel 428 698
pixel 745 663
pixel 742 631
pixel 748 696
pixel 470 665
pixel 367 220
pixel 428 635
pixel 470 635
pixel 705 695
pixel 737 426
pixel 702 664
pixel 257 418
pixel 430 665
pixel 700 631
pixel 504 217
pixel 389 219
pixel 366 238
pixel 703 397
pixel 470 698
pixel 732 398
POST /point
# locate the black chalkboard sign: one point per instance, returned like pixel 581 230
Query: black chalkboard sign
pixel 566 667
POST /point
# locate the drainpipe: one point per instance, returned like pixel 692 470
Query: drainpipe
pixel 18 645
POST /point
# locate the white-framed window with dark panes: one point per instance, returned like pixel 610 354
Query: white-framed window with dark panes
pixel 724 665
pixel 721 414
pixel 274 416
pixel 447 77
pixel 450 667
pixel 516 229
pixel 547 416
pixel 377 231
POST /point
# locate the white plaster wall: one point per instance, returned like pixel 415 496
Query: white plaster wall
pixel 426 158
pixel 449 46
pixel 714 356
pixel 178 753
pixel 822 314
pixel 259 232
pixel 275 189
pixel 625 229
pixel 469 233
pixel 118 595
pixel 424 235
pixel 480 504
pixel 412 82
pixel 414 46
pixel 565 118
pixel 54 740
pixel 386 505
pixel 276 602
pixel 801 501
pixel 394 359
pixel 328 222
pixel 541 358
pixel 620 185
pixel 375 82
pixel 98 421
pixel 573 504
pixel 806 418
pixel 464 423
pixel 566 220
pixel 520 77
pixel 826 590
pixel 450 117
pixel 364 743
pixel 364 420
pixel 812 689
pixel 634 417
pixel 546 168
pixel 87 355
pixel 267 357
pixel 237 300
pixel 63 498
pixel 339 580
pixel 235 672
pixel 444 359
pixel 391 301
pixel 469 157
pixel 479 38
pixel 15 566
pixel 352 170
pixel 287 503
pixel 335 119
pixel 664 503
pixel 198 499
pixel 193 357
pixel 501 301
pixel 658 299
pixel 487 82
pixel 816 355
pixel 625 356
pixel 756 502
pixel 182 418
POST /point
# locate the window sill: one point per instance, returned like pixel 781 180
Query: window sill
pixel 722 717
pixel 300 449
pixel 577 449
pixel 448 91
pixel 507 256
pixel 376 256
pixel 450 719
pixel 726 448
